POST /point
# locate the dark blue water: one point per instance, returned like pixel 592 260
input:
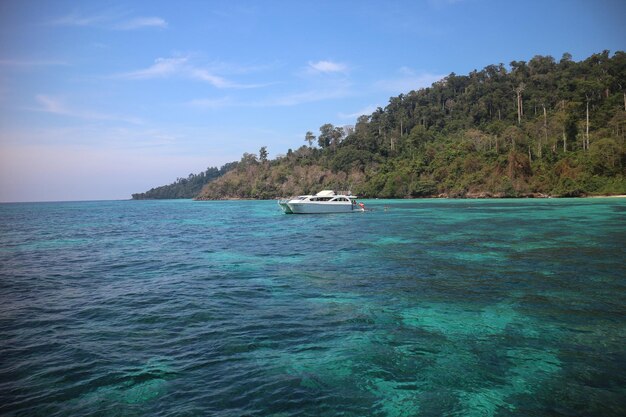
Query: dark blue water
pixel 416 308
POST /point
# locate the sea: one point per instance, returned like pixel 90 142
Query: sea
pixel 429 307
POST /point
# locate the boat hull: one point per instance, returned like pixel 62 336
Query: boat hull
pixel 318 208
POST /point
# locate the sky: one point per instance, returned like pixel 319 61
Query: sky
pixel 102 99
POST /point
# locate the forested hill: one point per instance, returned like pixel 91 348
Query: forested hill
pixel 185 187
pixel 542 127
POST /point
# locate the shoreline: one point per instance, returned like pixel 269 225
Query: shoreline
pixel 440 196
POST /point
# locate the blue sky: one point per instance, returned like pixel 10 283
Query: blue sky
pixel 100 99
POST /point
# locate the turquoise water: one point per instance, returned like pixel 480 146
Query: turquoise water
pixel 416 308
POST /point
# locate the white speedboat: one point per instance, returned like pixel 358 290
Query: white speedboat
pixel 326 201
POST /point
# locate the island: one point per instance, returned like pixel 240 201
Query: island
pixel 542 128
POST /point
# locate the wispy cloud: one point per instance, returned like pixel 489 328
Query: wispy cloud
pixel 75 19
pixel 143 22
pixel 407 80
pixel 183 67
pixel 55 105
pixel 110 20
pixel 215 80
pixel 51 105
pixel 327 67
pixel 162 67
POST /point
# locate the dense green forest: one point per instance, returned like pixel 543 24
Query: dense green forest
pixel 185 187
pixel 537 128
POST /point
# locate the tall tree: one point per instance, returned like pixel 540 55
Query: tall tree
pixel 263 154
pixel 337 135
pixel 309 137
pixel 325 138
pixel 520 103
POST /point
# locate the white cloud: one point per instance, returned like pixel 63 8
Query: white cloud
pixel 57 106
pixel 327 67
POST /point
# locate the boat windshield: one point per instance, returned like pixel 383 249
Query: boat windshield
pixel 341 199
